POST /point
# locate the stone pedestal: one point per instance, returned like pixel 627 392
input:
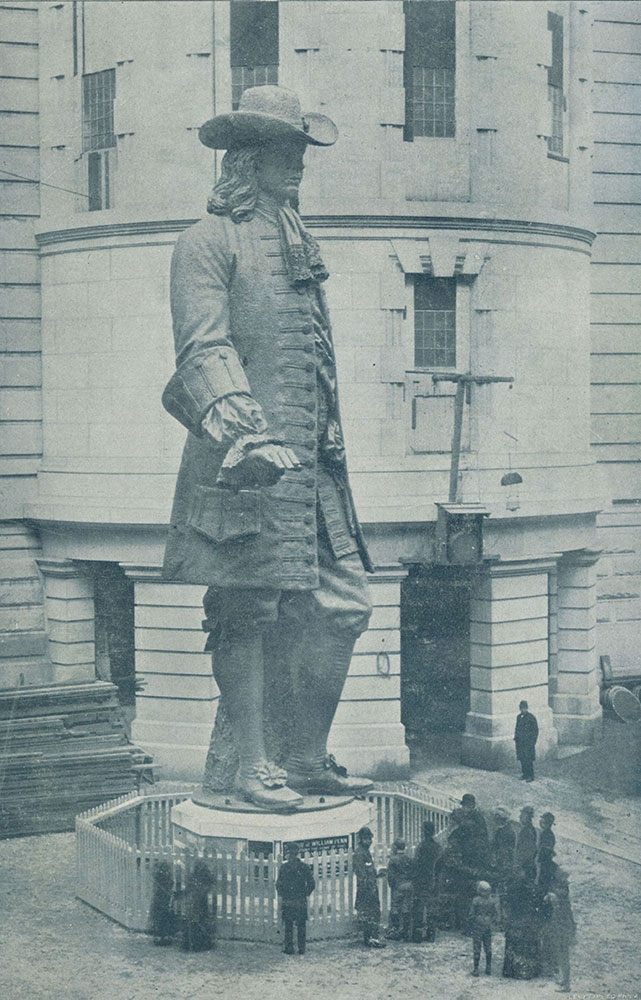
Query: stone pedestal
pixel 176 706
pixel 577 712
pixel 225 823
pixel 367 735
pixel 70 621
pixel 509 661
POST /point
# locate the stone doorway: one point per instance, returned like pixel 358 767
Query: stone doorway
pixel 114 633
pixel 435 655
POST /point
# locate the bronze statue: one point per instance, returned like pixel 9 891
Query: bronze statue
pixel 263 513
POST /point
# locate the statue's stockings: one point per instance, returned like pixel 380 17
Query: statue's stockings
pixel 280 688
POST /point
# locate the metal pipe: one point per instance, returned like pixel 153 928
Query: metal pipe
pixel 456 440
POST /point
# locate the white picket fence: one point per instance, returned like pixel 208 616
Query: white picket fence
pixel 118 844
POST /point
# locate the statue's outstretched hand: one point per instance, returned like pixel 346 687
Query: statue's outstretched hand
pixel 262 466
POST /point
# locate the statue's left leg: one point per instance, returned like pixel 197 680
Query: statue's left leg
pixel 323 626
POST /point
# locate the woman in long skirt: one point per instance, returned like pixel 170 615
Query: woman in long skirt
pixel 522 932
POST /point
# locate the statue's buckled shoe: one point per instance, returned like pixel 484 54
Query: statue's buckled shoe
pixel 331 779
pixel 265 785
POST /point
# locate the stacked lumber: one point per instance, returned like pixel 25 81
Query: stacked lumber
pixel 63 749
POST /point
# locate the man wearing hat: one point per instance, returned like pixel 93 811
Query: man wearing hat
pixel 263 512
pixel 294 884
pixel 474 818
pixel 526 733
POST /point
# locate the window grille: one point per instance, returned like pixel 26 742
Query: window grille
pixel 253 45
pixel 243 77
pixel 555 85
pixel 98 95
pixel 433 101
pixel 555 140
pixel 434 322
pixel 429 68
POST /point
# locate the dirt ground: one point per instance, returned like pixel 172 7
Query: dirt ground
pixel 54 947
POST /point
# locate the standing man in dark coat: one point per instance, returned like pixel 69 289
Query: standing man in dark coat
pixel 263 513
pixel 526 733
pixel 367 902
pixel 294 884
pixel 427 858
pixel 479 847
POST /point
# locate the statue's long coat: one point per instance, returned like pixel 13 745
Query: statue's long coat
pixel 239 326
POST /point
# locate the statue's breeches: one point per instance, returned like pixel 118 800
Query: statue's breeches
pixel 341 603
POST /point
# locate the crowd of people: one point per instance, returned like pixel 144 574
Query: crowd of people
pixel 476 884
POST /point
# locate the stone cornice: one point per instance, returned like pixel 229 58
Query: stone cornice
pixel 581 557
pixel 64 568
pixel 346 222
pixel 388 574
pixel 142 573
pixel 427 222
pixel 520 567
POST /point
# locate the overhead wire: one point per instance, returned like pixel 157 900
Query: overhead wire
pixel 34 180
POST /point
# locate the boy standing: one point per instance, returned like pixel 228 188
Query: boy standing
pixel 295 883
pixel 483 913
pixel 399 877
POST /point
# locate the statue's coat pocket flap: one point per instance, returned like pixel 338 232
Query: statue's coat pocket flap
pixel 222 515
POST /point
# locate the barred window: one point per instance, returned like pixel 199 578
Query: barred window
pixel 433 101
pixel 429 68
pixel 243 77
pixel 253 45
pixel 98 94
pixel 555 140
pixel 555 84
pixel 434 322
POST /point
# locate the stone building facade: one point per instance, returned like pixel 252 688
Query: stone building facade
pixel 456 216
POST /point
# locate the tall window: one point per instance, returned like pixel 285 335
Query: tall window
pixel 434 322
pixel 98 136
pixel 253 45
pixel 98 95
pixel 555 84
pixel 429 68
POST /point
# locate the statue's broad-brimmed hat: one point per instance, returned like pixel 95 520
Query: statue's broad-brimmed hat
pixel 267 113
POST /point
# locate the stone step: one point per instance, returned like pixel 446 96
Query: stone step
pixel 14 644
pixel 18 672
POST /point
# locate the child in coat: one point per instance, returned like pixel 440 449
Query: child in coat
pixel 400 870
pixel 484 914
pixel 162 917
pixel 295 883
pixel 198 928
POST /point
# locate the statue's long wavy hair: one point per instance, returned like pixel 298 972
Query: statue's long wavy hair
pixel 236 191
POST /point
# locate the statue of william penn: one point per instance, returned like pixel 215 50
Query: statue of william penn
pixel 263 513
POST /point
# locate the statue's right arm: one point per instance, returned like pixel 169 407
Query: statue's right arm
pixel 207 364
pixel 209 392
